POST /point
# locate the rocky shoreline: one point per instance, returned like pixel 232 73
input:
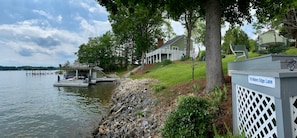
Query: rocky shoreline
pixel 131 113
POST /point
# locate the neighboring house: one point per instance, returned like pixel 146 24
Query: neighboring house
pixel 173 49
pixel 270 38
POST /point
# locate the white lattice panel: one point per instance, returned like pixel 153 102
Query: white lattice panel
pixel 293 103
pixel 256 113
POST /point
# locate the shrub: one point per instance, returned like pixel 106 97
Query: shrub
pixel 158 87
pixel 180 98
pixel 184 58
pixel 217 96
pixel 227 135
pixel 196 87
pixel 166 62
pixel 130 67
pixel 276 49
pixel 191 118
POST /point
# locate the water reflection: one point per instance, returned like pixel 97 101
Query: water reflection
pixel 101 92
pixel 31 107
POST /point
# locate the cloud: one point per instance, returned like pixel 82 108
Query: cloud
pixel 178 28
pixel 48 32
pixel 29 39
pixel 48 41
pixel 93 27
pixel 93 9
pixel 59 19
pixel 48 16
pixel 26 52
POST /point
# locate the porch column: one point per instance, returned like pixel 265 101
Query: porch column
pixel 76 74
pixel 160 57
pixel 90 74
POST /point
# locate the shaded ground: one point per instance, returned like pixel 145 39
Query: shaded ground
pixel 167 101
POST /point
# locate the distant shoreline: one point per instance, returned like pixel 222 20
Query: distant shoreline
pixel 12 68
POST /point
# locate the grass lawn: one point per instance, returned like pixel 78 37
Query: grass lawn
pixel 177 79
pixel 181 71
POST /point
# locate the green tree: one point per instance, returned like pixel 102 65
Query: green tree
pixel 187 12
pixel 138 22
pixel 214 12
pixel 234 12
pixel 284 18
pixel 252 45
pixel 168 30
pixel 99 51
pixel 237 37
pixel 199 36
pixel 199 31
pixel 289 28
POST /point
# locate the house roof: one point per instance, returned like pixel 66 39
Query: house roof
pixel 171 41
pixel 79 66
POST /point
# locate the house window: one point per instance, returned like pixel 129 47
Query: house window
pixel 174 48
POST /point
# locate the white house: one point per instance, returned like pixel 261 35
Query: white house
pixel 270 38
pixel 173 49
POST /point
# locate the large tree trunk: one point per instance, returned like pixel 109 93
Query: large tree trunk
pixel 214 71
pixel 189 42
pixel 189 27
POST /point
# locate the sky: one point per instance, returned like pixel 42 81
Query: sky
pixel 49 32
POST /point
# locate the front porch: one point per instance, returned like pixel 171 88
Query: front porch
pixel 162 54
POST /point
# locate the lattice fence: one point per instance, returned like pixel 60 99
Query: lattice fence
pixel 256 113
pixel 293 103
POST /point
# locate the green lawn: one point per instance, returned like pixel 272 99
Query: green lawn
pixel 181 71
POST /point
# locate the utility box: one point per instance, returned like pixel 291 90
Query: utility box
pixel 264 101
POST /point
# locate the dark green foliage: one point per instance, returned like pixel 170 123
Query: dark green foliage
pixel 158 87
pixel 190 119
pixel 166 62
pixel 229 134
pixel 184 58
pixel 99 51
pixel 277 49
pixel 136 24
pixel 237 36
pixel 274 49
pixel 202 55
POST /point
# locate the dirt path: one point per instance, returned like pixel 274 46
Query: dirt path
pixel 132 71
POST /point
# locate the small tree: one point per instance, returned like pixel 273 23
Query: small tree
pixel 237 37
pixel 191 118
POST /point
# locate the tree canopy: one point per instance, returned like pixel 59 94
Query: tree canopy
pixel 237 36
pixel 214 12
pixel 100 51
pixel 140 23
pixel 187 12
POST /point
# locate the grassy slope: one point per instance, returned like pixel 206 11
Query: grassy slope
pixel 181 71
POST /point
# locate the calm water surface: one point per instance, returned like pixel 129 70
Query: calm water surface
pixel 31 107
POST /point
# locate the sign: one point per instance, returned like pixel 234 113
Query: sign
pixel 262 81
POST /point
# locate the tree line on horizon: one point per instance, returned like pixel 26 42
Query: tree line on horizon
pixel 27 68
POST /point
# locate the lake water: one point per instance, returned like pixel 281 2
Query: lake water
pixel 31 107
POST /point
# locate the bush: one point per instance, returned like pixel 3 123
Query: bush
pixel 202 55
pixel 191 118
pixel 130 67
pixel 184 58
pixel 196 87
pixel 166 62
pixel 229 134
pixel 158 87
pixel 276 49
